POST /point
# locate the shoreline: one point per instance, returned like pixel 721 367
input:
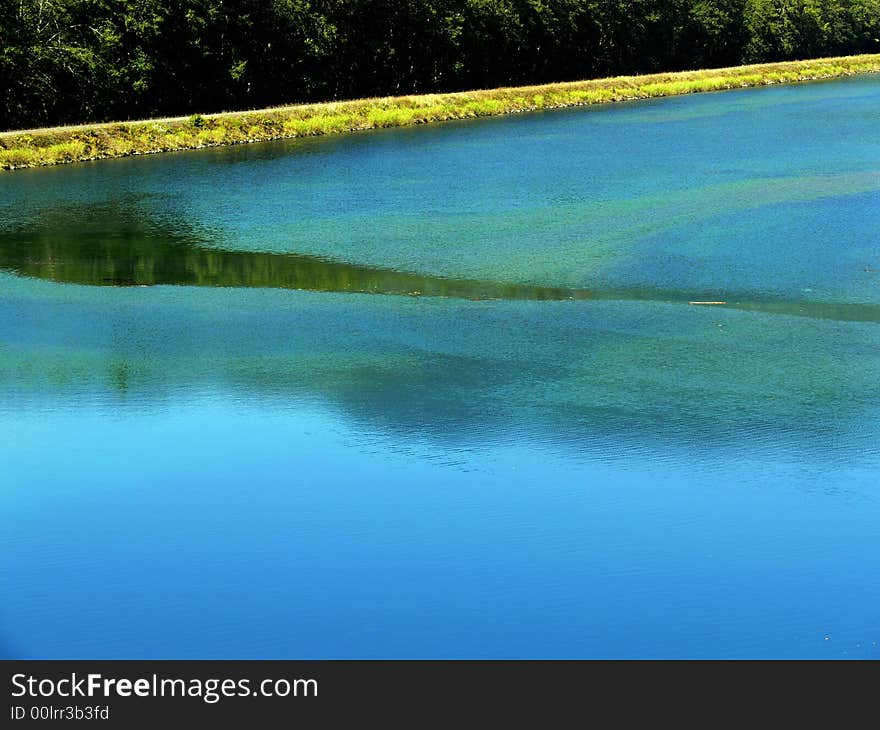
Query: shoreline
pixel 63 145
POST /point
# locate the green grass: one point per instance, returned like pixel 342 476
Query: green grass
pixel 59 145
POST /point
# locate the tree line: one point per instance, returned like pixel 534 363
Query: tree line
pixel 65 61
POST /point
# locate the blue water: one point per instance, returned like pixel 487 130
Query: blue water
pixel 213 443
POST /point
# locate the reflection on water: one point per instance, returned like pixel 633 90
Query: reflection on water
pixel 106 245
pixel 119 244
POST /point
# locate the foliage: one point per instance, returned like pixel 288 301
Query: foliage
pixel 67 61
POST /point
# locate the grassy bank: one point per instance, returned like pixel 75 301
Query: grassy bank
pixel 59 145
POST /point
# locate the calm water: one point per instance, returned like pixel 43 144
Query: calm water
pixel 439 392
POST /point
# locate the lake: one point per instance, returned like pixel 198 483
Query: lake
pixel 442 392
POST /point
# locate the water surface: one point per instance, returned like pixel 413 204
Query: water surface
pixel 441 392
